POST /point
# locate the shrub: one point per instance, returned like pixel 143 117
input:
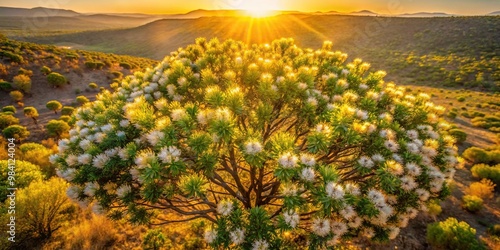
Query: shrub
pixel 5 86
pixel 494 230
pixel 82 99
pixel 483 189
pixel 16 131
pixel 26 72
pixel 117 74
pixel 452 114
pixel 57 128
pixel 125 65
pixel 93 85
pixel 16 95
pixel 96 233
pixel 7 120
pixel 25 173
pixel 484 171
pixel 266 141
pixel 476 155
pixel 451 234
pixel 154 239
pixel 461 99
pixel 67 110
pixel 472 203
pixel 56 80
pixel 459 134
pixel 45 70
pixel 37 154
pixel 54 105
pixel 90 64
pixel 32 113
pixel 9 109
pixel 22 82
pixel 65 118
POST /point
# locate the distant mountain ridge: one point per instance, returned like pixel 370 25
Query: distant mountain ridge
pixel 38 11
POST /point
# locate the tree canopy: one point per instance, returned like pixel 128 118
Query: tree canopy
pixel 260 140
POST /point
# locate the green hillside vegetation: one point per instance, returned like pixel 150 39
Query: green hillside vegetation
pixel 449 51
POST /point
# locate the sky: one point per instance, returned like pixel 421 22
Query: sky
pixel 463 7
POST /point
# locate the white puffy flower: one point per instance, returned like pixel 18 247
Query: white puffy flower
pixel 288 160
pixel 307 160
pixel 237 236
pixel 85 159
pixel 348 212
pixel 376 197
pixel 308 174
pixel 90 188
pixel 393 232
pixel 154 137
pixel 225 207
pixel 408 183
pixel 339 228
pixel 413 148
pixel 100 160
pixel 71 160
pixel 73 192
pixel 63 145
pixel 123 190
pixel 291 218
pixel 365 162
pixel 413 169
pixel 210 236
pixel 412 134
pixel 361 114
pixel 53 158
pixel 169 154
pixel 260 245
pixel 323 128
pixel 312 101
pixel 423 194
pixel 178 114
pixel 352 189
pixel 335 191
pixel 68 174
pixel 124 123
pixel 321 227
pixel 355 223
pixel 98 209
pixel 378 158
pixel 107 128
pixel 253 147
pixel 391 145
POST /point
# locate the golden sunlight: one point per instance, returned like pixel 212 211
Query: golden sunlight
pixel 261 8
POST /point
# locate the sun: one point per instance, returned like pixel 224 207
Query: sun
pixel 260 8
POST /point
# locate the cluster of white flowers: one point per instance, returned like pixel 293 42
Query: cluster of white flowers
pixel 225 207
pixel 288 160
pixel 253 147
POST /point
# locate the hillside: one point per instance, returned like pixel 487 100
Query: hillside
pixel 464 46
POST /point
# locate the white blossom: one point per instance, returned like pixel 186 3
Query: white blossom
pixel 321 227
pixel 225 207
pixel 334 190
pixel 260 245
pixel 237 236
pixel 307 160
pixel 288 160
pixel 253 147
pixel 308 174
pixel 123 190
pixel 291 218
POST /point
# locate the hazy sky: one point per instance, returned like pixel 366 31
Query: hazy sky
pixel 467 7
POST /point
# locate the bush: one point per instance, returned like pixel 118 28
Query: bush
pixel 82 99
pixel 38 155
pixel 472 203
pixel 476 155
pixel 5 86
pixel 459 134
pixel 224 127
pixel 16 95
pixel 96 233
pixel 45 70
pixel 32 113
pixel 484 189
pixel 56 80
pixel 7 120
pixel 93 85
pixel 451 234
pixel 67 110
pixel 25 173
pixel 65 118
pixel 57 128
pixel 16 131
pixel 125 65
pixel 22 82
pixel 461 99
pixel 9 109
pixel 484 171
pixel 117 74
pixel 54 105
pixel 25 72
pixel 452 114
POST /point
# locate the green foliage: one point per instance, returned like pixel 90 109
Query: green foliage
pixel 94 65
pixel 22 82
pixel 57 128
pixel 16 131
pixel 484 171
pixel 125 65
pixel 9 108
pixel 93 85
pixel 476 155
pixel 56 80
pixel 7 120
pixel 45 70
pixel 32 113
pixel 65 118
pixel 25 72
pixel 82 99
pixel 16 95
pixel 12 56
pixel 5 86
pixel 461 99
pixel 54 105
pixel 153 240
pixel 67 110
pixel 43 208
pixel 451 234
pixel 38 155
pixel 472 203
pixel 459 134
pixel 25 173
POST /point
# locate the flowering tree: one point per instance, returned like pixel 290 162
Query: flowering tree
pixel 261 141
